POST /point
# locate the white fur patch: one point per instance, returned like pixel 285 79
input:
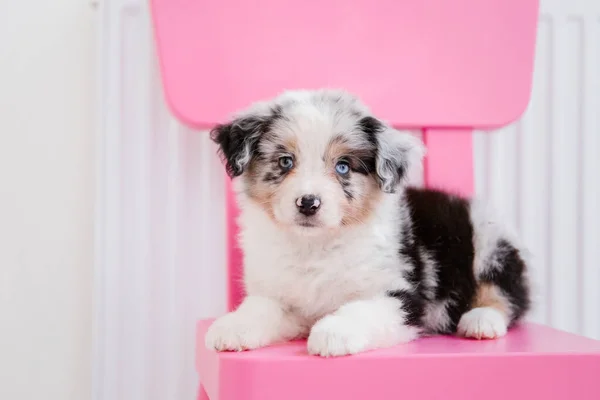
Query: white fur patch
pixel 314 276
pixel 256 323
pixel 488 230
pixel 483 323
pixel 359 326
pixel 429 273
pixel 435 317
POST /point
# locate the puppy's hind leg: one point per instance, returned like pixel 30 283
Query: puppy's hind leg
pixel 490 316
pixel 501 296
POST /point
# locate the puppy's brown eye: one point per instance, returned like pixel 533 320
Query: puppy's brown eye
pixel 286 163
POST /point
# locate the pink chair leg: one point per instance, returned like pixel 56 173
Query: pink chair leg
pixel 449 161
pixel 202 394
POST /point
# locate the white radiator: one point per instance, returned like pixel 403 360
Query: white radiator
pixel 160 205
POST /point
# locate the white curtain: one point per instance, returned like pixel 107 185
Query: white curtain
pixel 160 223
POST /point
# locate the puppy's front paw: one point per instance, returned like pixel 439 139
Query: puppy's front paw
pixel 234 332
pixel 482 323
pixel 336 335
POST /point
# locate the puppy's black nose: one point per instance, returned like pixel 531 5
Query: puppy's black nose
pixel 308 204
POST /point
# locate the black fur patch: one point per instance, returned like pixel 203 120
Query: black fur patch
pixel 272 177
pixel 441 225
pixel 412 304
pixel 345 183
pixel 510 277
pixel 275 174
pixel 371 127
pixel 240 135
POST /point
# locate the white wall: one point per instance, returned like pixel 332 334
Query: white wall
pixel 47 62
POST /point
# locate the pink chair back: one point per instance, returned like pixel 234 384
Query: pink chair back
pixel 445 66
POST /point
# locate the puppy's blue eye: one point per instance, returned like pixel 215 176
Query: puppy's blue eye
pixel 342 167
pixel 286 162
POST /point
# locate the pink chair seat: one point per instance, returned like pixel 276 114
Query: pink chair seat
pixel 531 362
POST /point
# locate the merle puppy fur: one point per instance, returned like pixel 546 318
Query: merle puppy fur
pixel 340 250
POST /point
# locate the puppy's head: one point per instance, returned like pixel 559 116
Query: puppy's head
pixel 315 161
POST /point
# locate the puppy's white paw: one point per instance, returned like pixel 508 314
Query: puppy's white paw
pixel 482 323
pixel 236 332
pixel 336 335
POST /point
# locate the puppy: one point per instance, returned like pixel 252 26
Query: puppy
pixel 339 250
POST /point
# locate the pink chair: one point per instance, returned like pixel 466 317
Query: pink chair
pixel 445 66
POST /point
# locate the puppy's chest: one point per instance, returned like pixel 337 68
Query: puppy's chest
pixel 316 281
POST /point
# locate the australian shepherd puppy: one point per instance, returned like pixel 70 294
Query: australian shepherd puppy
pixel 340 250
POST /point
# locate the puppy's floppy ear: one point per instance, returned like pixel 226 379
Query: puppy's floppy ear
pixel 238 141
pixel 397 154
